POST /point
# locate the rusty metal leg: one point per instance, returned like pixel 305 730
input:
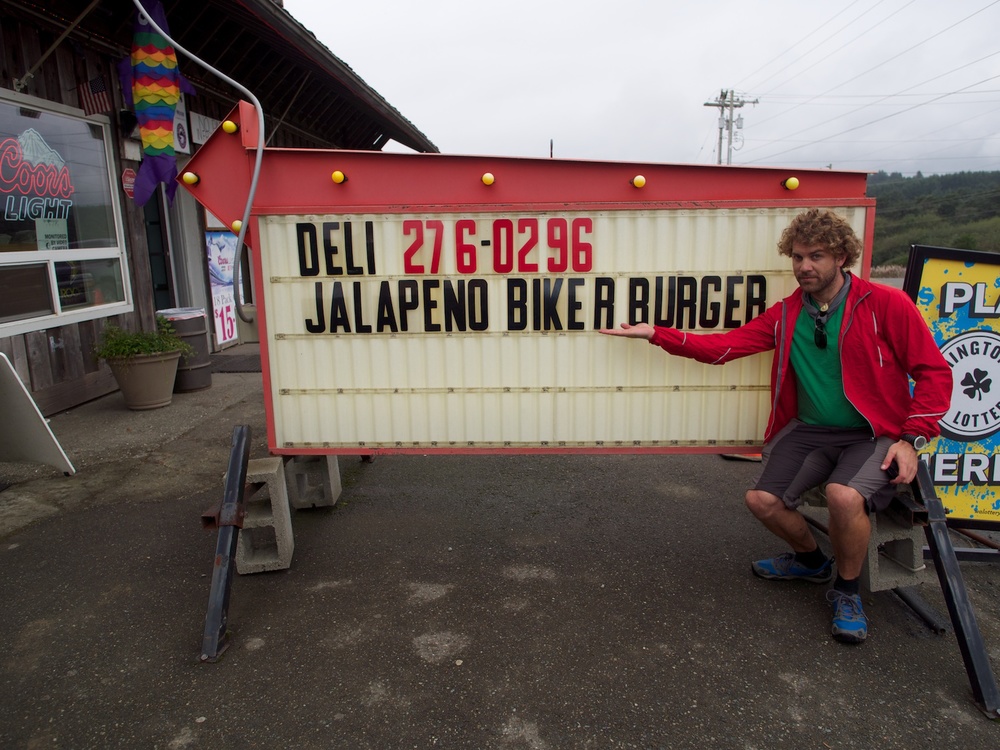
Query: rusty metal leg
pixel 230 519
pixel 963 618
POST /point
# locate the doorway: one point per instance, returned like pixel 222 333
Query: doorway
pixel 155 220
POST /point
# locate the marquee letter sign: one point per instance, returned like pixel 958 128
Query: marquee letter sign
pixel 429 303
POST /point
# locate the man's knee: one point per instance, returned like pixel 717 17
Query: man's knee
pixel 763 504
pixel 842 500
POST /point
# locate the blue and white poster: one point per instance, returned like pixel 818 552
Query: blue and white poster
pixel 221 250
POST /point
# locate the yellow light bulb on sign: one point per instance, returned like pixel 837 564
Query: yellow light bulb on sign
pixel 488 178
pixel 237 226
pixel 638 181
pixel 190 178
pixel 791 183
pixel 230 127
pixel 339 177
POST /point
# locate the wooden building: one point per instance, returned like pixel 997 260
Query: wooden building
pixel 76 251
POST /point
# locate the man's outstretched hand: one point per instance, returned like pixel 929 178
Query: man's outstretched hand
pixel 637 331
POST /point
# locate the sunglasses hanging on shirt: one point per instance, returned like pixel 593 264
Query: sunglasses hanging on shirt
pixel 820 314
pixel 819 335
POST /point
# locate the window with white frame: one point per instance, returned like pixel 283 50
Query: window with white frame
pixel 62 256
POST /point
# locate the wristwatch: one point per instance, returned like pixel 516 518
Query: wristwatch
pixel 919 442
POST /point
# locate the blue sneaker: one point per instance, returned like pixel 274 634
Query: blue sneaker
pixel 849 622
pixel 786 568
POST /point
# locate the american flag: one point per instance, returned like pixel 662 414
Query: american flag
pixel 94 96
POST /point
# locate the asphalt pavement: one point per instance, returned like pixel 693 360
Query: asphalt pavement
pixel 447 601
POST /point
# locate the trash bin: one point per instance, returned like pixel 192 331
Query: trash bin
pixel 194 372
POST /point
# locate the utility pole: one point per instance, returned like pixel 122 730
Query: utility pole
pixel 727 103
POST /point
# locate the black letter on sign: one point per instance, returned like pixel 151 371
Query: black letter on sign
pixel 517 304
pixel 329 249
pixel 732 302
pixel 687 299
pixel 320 325
pixel 370 245
pixel 386 317
pixel 661 317
pixel 536 301
pixel 479 305
pixel 338 310
pixel 638 301
pixel 409 300
pixel 708 316
pixel 604 302
pixel 305 235
pixel 430 305
pixel 552 322
pixel 454 305
pixel 359 318
pixel 573 305
pixel 352 270
pixel 756 296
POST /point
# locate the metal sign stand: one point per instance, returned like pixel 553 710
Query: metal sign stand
pixel 963 618
pixel 228 518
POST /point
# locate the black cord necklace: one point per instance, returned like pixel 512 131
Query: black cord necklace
pixel 820 313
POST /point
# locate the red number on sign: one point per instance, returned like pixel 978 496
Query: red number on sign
pixel 531 227
pixel 558 238
pixel 503 246
pixel 583 252
pixel 465 252
pixel 436 226
pixel 412 226
pixel 416 227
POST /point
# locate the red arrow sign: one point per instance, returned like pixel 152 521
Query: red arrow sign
pixel 302 181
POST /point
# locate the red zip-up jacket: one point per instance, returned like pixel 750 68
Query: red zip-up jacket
pixel 883 339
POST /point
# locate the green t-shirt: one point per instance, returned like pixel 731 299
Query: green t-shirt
pixel 819 376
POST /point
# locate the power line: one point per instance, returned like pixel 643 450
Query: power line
pixel 846 44
pixel 837 101
pixel 884 62
pixel 913 47
pixel 801 42
pixel 879 119
pixel 909 88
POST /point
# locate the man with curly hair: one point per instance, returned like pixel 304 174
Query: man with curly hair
pixel 842 410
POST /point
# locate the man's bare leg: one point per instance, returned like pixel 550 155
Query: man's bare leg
pixel 850 529
pixel 781 520
pixel 806 561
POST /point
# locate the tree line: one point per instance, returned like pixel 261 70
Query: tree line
pixel 960 210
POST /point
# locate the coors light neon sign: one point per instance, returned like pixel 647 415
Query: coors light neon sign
pixel 34 179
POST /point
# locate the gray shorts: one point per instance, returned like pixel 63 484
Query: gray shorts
pixel 803 456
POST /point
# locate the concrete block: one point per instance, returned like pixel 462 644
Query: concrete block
pixel 895 548
pixel 895 555
pixel 266 541
pixel 313 481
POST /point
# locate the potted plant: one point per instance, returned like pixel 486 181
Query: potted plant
pixel 144 363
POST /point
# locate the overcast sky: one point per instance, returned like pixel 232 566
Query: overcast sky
pixel 896 85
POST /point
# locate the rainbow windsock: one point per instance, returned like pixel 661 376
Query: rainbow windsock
pixel 155 85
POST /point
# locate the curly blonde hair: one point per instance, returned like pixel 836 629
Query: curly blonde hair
pixel 825 228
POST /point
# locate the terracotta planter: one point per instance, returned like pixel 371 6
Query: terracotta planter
pixel 146 380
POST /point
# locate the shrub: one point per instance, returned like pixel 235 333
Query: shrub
pixel 117 343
